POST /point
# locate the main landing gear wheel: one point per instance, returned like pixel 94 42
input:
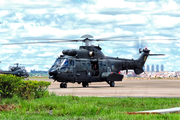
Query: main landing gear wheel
pixel 63 85
pixel 84 84
pixel 112 84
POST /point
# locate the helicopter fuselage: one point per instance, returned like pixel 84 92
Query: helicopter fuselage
pixel 88 64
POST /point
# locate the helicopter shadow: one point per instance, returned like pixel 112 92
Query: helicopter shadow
pixel 90 87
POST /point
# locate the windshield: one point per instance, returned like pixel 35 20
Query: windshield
pixel 61 62
pixel 64 62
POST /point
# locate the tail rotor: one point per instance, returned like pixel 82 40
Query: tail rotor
pixel 139 45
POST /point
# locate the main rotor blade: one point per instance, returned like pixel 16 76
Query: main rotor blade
pixel 63 40
pixel 112 37
pixel 11 63
pixel 53 39
pixel 131 39
pixel 42 42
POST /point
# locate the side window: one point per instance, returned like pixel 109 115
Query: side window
pixel 112 66
pixel 108 69
pixel 72 63
pixel 83 65
pixel 101 66
pixel 88 65
pixel 66 63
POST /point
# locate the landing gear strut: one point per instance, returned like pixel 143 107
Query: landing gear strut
pixel 111 83
pixel 85 84
pixel 63 85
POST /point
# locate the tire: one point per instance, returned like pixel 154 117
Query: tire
pixel 112 84
pixel 61 85
pixel 65 85
pixel 84 84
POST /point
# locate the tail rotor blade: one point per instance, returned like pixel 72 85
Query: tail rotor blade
pixel 156 54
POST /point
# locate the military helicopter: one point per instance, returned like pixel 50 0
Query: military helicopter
pixel 88 64
pixel 17 70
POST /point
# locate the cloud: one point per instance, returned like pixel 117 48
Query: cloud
pixel 46 54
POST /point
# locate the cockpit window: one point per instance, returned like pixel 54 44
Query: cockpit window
pixel 61 62
pixel 72 62
pixel 83 65
pixel 64 62
pixel 57 62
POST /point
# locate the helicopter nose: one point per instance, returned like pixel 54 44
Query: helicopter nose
pixel 52 72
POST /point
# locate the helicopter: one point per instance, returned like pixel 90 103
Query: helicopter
pixel 17 70
pixel 88 64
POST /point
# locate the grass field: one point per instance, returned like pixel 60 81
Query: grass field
pixel 73 107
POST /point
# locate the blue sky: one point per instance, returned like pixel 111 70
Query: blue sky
pixel 22 20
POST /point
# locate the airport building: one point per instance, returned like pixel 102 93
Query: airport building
pixel 152 68
pixel 162 67
pixel 157 68
pixel 147 68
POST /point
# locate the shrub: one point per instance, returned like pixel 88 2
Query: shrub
pixel 8 85
pixel 12 85
pixel 33 89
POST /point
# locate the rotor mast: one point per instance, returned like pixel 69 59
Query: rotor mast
pixel 87 41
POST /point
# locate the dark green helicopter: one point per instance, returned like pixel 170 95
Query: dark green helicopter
pixel 17 70
pixel 88 64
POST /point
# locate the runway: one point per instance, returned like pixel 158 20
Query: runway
pixel 126 88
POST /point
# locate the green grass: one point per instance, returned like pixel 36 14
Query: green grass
pixel 73 107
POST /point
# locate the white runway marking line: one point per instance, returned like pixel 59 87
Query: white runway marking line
pixel 162 111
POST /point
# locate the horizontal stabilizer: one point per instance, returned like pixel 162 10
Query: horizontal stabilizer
pixel 156 54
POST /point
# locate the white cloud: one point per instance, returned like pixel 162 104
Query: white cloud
pixel 4 13
pixel 30 51
pixel 46 54
pixel 165 21
pixel 170 6
pixel 101 4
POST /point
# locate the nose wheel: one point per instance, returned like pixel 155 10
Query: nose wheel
pixel 85 84
pixel 63 85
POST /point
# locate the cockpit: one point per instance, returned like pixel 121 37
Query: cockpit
pixel 64 64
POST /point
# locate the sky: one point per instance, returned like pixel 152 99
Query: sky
pixel 24 20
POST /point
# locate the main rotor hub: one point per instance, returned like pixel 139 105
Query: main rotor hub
pixel 86 40
pixel 87 36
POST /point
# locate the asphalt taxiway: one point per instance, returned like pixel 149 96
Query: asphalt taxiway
pixel 125 88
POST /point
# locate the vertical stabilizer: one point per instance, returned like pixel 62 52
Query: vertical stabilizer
pixel 143 57
pixel 141 60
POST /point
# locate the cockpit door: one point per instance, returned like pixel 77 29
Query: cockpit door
pixel 82 71
pixel 72 65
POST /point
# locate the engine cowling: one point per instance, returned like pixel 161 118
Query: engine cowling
pixel 71 52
